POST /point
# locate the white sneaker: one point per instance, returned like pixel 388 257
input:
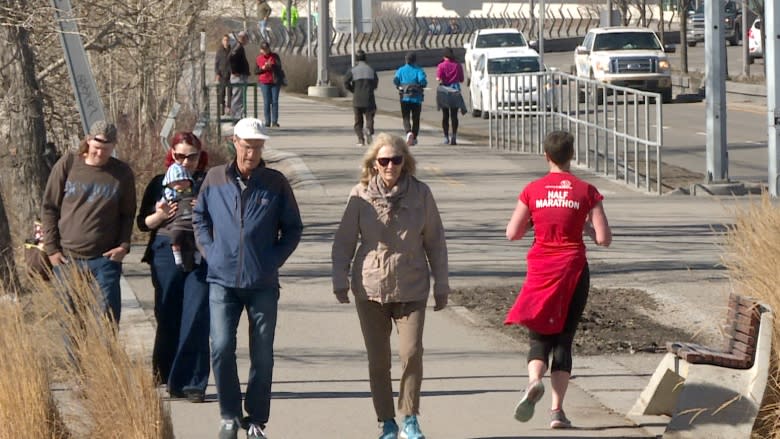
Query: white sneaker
pixel 410 139
pixel 255 432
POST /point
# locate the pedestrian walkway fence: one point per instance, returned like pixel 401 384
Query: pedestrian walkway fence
pixel 618 131
pixel 398 32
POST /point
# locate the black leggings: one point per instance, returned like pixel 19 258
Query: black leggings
pixel 560 344
pixel 448 114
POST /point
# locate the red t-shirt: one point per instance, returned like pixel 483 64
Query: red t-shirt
pixel 559 203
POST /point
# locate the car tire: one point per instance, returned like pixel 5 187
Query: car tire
pixel 475 112
pixel 485 115
pixel 691 43
pixel 581 96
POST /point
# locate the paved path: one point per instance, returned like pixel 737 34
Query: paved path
pixel 474 375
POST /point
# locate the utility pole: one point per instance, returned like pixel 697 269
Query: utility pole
pixel 771 56
pixel 414 11
pixel 715 60
pixel 609 13
pixel 323 88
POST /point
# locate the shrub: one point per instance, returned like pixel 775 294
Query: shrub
pixel 301 72
pixel 752 246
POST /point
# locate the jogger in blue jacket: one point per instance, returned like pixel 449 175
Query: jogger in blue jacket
pixel 411 81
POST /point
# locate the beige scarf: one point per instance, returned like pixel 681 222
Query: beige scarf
pixel 386 201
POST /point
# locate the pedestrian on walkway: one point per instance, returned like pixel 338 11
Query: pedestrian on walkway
pixel 561 207
pixel 392 220
pixel 410 80
pixel 269 65
pixel 449 99
pixel 222 75
pixel 247 224
pixel 239 73
pixel 180 358
pixel 263 13
pixel 361 81
pixel 87 214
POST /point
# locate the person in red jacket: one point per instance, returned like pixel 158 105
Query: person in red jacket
pixel 561 208
pixel 269 67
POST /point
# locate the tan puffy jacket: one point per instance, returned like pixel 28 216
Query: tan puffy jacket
pixel 392 261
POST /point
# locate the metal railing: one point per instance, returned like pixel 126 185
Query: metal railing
pixel 399 33
pixel 618 131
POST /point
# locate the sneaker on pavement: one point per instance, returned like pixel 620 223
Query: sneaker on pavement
pixel 409 139
pixel 228 429
pixel 255 431
pixel 524 410
pixel 411 429
pixel 453 140
pixel 369 137
pixel 559 420
pixel 446 141
pixel 389 430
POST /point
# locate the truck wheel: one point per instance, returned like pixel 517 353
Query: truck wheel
pixel 666 96
pixel 475 112
pixel 691 43
pixel 581 96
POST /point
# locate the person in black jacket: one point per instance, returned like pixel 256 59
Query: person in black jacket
pixel 362 80
pixel 222 75
pixel 239 74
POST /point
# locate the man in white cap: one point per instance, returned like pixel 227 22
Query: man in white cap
pixel 247 224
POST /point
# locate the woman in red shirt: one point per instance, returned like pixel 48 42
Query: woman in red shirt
pixel 268 63
pixel 561 207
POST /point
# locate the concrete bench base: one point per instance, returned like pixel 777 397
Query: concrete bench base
pixel 706 401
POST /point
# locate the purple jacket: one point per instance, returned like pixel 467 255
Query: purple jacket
pixel 449 72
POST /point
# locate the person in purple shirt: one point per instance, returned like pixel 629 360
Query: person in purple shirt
pixel 449 99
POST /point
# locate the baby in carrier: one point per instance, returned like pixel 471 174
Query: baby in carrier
pixel 178 189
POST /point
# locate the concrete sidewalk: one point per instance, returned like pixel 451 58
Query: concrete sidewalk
pixel 473 374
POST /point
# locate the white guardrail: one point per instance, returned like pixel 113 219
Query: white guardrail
pixel 618 131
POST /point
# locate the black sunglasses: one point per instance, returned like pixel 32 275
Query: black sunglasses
pixel 384 161
pixel 179 157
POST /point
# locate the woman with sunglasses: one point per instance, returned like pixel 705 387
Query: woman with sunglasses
pixel 389 242
pixel 181 344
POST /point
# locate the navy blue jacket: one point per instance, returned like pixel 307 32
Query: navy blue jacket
pixel 246 236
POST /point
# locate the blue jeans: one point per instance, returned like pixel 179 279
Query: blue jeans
pixel 270 103
pixel 181 308
pixel 107 274
pixel 226 305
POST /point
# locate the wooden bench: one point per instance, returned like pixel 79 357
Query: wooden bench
pixel 741 329
pixel 710 392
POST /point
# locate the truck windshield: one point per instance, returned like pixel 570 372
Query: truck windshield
pixel 527 64
pixel 626 41
pixel 500 40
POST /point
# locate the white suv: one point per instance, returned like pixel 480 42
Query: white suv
pixel 485 39
pixel 627 57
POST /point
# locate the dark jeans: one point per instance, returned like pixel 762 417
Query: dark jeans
pixel 270 103
pixel 226 305
pixel 181 308
pixel 368 114
pixel 411 110
pixel 107 274
pixel 224 94
pixel 560 344
pixel 448 114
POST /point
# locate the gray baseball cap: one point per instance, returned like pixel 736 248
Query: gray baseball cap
pixel 106 129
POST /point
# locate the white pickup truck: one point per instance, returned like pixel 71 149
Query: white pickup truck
pixel 627 57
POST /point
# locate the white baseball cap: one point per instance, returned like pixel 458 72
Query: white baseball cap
pixel 250 128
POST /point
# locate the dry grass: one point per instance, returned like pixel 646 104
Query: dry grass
pixel 27 406
pixel 301 72
pixel 118 394
pixel 753 246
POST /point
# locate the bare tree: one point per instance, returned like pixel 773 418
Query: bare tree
pixel 22 136
pixel 684 6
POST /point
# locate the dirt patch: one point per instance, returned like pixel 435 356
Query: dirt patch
pixel 616 320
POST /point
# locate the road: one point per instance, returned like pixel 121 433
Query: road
pixel 684 123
